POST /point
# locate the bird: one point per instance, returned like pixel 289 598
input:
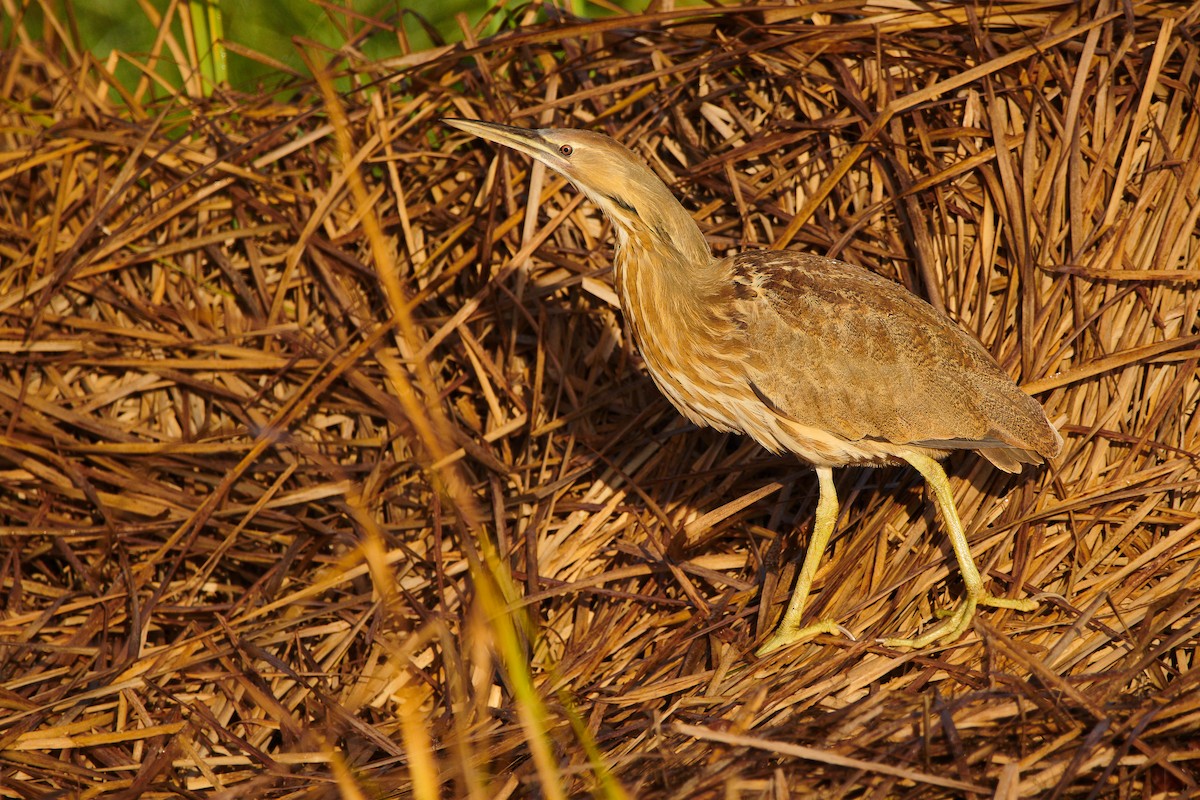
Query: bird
pixel 803 353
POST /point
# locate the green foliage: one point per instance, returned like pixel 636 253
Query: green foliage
pixel 264 39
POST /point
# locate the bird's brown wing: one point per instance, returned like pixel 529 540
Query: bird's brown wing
pixel 843 350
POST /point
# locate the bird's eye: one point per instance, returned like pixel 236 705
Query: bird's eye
pixel 566 149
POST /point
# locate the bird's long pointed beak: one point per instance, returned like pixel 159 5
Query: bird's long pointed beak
pixel 525 140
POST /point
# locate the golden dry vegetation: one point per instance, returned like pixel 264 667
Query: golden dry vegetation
pixel 326 468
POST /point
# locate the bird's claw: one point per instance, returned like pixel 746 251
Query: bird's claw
pixel 782 637
pixel 956 621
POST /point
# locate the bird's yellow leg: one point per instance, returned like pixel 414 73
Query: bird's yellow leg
pixel 789 630
pixel 958 620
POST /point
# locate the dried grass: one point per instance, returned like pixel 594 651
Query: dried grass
pixel 288 391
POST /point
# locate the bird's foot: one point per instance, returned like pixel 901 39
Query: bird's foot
pixel 786 635
pixel 956 621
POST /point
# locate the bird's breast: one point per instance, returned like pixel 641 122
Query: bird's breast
pixel 688 336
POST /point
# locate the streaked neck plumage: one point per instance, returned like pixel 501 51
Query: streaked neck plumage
pixel 655 234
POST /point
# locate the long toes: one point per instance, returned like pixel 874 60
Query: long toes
pixel 992 601
pixel 783 637
pixel 937 633
pixel 955 622
pixel 949 629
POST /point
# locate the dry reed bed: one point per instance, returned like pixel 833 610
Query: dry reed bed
pixel 283 386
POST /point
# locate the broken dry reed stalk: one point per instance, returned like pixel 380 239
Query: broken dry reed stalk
pixel 274 385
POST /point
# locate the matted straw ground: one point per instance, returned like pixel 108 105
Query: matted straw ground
pixel 328 470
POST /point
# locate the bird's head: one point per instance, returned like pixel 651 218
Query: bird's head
pixel 606 171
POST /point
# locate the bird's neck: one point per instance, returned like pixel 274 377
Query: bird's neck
pixel 672 229
pixel 664 273
pixel 658 236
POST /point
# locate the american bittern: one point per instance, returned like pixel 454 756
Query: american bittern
pixel 803 353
